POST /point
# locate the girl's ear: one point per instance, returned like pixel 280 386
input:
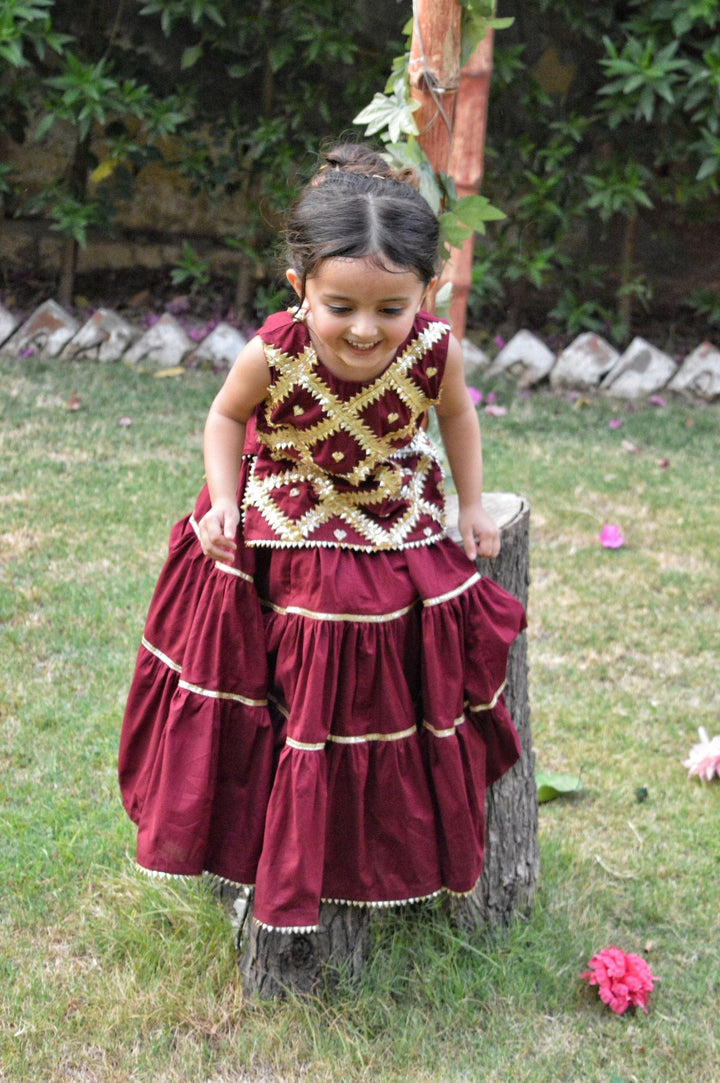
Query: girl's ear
pixel 295 280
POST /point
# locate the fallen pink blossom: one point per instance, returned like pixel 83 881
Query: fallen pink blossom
pixel 125 422
pixel 624 980
pixel 664 463
pixel 611 536
pixel 475 395
pixel 499 341
pixel 614 423
pixel 704 758
pixel 493 410
pixel 656 400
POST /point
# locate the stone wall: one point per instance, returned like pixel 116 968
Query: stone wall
pixel 588 363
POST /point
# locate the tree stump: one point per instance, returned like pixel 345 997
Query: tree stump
pixel 512 856
pixel 274 962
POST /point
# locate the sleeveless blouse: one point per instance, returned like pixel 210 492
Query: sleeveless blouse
pixel 341 463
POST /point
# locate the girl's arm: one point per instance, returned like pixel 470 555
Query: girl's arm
pixel 224 438
pixel 460 432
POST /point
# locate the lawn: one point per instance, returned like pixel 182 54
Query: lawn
pixel 106 976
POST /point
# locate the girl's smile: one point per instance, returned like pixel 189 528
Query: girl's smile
pixel 359 313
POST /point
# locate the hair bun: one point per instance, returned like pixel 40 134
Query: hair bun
pixel 361 159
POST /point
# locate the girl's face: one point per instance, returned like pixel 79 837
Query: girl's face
pixel 359 314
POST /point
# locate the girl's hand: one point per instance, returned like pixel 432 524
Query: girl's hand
pixel 480 536
pixel 217 531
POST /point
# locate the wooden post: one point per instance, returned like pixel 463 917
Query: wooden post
pixel 273 962
pixel 435 75
pixel 467 158
pixel 452 118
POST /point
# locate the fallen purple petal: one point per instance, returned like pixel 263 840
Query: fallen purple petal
pixel 611 536
pixel 499 341
pixel 475 395
pixel 656 400
pixel 614 423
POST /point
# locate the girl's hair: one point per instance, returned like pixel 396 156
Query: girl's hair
pixel 357 207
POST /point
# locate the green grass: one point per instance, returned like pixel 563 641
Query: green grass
pixel 105 976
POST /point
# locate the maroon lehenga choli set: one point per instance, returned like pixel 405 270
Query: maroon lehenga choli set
pixel 321 718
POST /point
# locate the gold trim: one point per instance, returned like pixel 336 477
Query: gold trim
pixel 286 928
pixel 213 694
pixel 489 706
pixel 305 746
pixel 449 732
pixel 365 738
pixel 233 571
pixel 356 618
pixel 161 655
pixel 454 593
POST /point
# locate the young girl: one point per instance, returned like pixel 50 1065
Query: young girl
pixel 317 707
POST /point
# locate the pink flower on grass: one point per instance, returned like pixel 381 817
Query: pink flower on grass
pixel 475 395
pixel 611 536
pixel 704 758
pixel 623 979
pixel 614 423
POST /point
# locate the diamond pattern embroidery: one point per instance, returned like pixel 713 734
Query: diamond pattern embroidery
pixel 368 474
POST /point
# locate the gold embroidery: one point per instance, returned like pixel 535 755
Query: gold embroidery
pixel 376 470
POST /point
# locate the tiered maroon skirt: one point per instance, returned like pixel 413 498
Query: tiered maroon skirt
pixel 319 722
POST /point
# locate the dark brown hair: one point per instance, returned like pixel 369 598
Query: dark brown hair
pixel 358 207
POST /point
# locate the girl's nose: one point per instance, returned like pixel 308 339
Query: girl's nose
pixel 364 325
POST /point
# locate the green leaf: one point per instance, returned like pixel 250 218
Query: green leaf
pixel 44 126
pixel 475 211
pixel 551 785
pixel 452 231
pixel 191 55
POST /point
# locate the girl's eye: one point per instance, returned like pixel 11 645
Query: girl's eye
pixel 392 312
pixel 338 310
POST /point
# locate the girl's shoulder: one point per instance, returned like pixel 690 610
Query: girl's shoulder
pixel 284 332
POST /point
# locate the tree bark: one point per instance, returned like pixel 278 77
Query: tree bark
pixel 273 962
pixel 512 857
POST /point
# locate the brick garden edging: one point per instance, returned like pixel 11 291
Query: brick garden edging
pixel 589 362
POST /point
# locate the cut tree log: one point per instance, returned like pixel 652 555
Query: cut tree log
pixel 273 963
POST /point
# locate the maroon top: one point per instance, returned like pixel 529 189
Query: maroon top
pixel 341 462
